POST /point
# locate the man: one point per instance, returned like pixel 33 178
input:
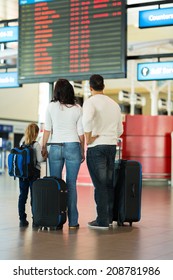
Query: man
pixel 102 126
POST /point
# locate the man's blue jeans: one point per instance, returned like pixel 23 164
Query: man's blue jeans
pixel 68 154
pixel 100 161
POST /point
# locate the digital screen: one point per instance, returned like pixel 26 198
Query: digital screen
pixel 156 18
pixel 155 71
pixel 71 39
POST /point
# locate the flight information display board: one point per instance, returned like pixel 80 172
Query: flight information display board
pixel 71 39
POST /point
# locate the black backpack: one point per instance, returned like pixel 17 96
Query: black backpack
pixel 22 161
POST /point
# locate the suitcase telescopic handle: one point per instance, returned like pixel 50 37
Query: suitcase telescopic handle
pixel 119 143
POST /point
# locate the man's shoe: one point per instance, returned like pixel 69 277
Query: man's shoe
pixel 95 225
pixel 74 227
pixel 23 223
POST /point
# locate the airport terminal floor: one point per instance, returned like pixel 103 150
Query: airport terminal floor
pixel 149 239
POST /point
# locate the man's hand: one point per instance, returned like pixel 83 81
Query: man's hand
pixel 89 138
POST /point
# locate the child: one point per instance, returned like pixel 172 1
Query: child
pixel 30 137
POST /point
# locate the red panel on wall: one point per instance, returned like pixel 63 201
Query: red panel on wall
pixel 83 176
pixel 148 139
pixel 148 125
pixel 147 146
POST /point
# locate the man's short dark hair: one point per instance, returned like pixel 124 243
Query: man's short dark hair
pixel 96 82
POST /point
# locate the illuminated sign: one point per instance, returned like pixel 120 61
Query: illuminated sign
pixel 71 39
pixel 155 71
pixel 155 18
pixel 9 80
pixel 8 34
pixel 6 128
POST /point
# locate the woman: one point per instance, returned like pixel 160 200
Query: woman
pixel 64 124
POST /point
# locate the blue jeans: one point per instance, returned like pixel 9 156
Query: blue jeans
pixel 68 154
pixel 100 161
pixel 24 187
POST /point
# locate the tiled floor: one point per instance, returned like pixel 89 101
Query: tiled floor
pixel 149 239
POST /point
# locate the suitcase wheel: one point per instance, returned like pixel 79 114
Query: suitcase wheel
pixel 52 228
pixel 120 224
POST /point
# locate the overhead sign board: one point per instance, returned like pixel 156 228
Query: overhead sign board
pixel 60 38
pixel 8 34
pixel 9 80
pixel 155 18
pixel 155 71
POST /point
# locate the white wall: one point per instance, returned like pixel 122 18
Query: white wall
pixel 20 103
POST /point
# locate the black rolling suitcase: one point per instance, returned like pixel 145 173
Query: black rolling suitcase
pixel 127 191
pixel 49 202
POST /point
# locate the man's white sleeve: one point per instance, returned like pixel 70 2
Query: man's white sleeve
pixel 88 115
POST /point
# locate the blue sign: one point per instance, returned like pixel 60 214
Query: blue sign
pixel 155 18
pixel 6 128
pixel 26 2
pixel 155 71
pixel 8 34
pixel 9 80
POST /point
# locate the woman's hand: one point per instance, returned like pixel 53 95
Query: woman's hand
pixel 44 152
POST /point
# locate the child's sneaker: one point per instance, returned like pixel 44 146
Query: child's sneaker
pixel 23 223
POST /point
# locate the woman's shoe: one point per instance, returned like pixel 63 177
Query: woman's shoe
pixel 74 227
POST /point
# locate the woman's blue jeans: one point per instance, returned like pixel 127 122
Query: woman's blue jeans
pixel 100 161
pixel 68 154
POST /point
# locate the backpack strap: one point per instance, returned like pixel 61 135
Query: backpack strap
pixel 34 154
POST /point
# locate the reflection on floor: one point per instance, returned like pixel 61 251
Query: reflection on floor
pixel 151 238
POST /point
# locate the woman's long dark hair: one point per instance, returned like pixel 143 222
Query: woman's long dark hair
pixel 64 92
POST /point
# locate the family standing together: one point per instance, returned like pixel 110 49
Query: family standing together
pixel 69 128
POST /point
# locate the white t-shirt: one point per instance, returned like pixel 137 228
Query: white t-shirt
pixel 102 116
pixel 64 122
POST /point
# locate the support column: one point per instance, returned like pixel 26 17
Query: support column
pixel 86 92
pixel 132 92
pixel 51 86
pixel 45 96
pixel 154 99
pixel 169 99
